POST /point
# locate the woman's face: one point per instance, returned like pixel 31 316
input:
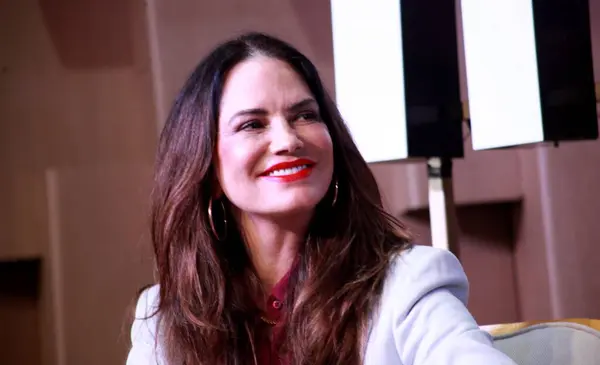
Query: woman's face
pixel 274 154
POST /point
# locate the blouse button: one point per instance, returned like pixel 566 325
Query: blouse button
pixel 277 304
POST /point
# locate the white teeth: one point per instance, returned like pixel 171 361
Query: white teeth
pixel 290 171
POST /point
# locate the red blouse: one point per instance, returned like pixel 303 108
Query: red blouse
pixel 268 348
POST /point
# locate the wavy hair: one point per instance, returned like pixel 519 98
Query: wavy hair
pixel 206 314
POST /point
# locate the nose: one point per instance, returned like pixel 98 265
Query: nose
pixel 284 138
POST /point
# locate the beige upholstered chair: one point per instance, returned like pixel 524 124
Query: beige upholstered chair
pixel 564 342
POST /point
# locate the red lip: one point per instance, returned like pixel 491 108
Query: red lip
pixel 288 165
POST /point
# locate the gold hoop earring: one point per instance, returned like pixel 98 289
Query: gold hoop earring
pixel 211 220
pixel 335 193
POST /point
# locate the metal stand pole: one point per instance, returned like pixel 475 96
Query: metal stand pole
pixel 442 212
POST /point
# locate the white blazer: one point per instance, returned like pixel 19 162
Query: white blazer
pixel 422 318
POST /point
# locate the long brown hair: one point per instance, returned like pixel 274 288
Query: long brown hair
pixel 206 313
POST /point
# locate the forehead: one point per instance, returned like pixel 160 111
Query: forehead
pixel 261 82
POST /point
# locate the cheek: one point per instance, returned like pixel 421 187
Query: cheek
pixel 327 143
pixel 234 161
pixel 322 140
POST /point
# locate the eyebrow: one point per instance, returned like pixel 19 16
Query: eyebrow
pixel 258 111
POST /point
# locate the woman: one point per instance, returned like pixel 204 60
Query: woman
pixel 270 239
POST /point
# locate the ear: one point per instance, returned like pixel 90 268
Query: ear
pixel 216 191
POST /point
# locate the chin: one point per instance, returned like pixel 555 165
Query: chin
pixel 306 204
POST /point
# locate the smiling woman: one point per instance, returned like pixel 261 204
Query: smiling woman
pixel 274 153
pixel 270 239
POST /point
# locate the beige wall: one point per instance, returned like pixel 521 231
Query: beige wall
pixel 77 137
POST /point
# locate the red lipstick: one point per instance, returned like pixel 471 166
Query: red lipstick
pixel 289 171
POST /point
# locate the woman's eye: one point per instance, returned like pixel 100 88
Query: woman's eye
pixel 251 125
pixel 312 116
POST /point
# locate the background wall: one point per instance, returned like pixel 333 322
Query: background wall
pixel 84 85
pixel 77 138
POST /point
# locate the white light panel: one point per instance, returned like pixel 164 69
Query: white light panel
pixel 369 76
pixel 502 73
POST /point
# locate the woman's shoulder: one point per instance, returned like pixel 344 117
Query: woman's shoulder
pixel 144 346
pixel 145 320
pixel 419 270
pixel 147 302
pixel 423 317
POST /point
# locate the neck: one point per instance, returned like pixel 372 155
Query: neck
pixel 273 247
